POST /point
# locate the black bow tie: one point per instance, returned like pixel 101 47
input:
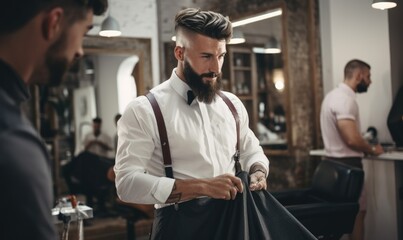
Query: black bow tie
pixel 191 97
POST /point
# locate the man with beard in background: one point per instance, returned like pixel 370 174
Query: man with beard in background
pixel 340 126
pixel 201 131
pixel 39 40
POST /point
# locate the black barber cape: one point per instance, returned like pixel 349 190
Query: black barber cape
pixel 253 215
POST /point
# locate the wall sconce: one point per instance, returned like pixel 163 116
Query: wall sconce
pixel 383 4
pixel 271 47
pixel 237 37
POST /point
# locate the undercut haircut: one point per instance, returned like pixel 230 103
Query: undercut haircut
pixel 352 65
pixel 207 23
pixel 14 14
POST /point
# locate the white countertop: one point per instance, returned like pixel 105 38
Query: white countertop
pixel 390 155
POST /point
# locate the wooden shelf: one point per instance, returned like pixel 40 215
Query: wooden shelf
pixel 250 82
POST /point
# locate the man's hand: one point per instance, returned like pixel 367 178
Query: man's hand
pixel 377 150
pixel 257 177
pixel 258 181
pixel 225 186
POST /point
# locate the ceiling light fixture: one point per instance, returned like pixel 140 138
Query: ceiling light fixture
pixel 379 4
pixel 256 18
pixel 237 37
pixel 271 47
pixel 110 26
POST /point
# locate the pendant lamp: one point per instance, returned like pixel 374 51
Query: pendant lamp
pixel 383 4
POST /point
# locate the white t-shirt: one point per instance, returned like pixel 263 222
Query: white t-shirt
pixel 340 103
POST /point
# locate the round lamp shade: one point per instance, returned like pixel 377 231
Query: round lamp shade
pixel 379 4
pixel 110 28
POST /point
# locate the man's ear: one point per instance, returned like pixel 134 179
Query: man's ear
pixel 52 23
pixel 357 75
pixel 179 53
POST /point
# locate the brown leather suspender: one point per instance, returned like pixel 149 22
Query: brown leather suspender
pixel 236 117
pixel 166 154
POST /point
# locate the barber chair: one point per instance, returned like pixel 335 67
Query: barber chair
pixel 132 212
pixel 329 206
pixel 87 174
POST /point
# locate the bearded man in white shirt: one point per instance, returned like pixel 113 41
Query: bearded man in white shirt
pixel 201 132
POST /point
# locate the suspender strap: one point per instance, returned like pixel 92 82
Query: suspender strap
pixel 166 154
pixel 231 106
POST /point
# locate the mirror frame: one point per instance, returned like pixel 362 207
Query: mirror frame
pixel 141 47
pixel 284 55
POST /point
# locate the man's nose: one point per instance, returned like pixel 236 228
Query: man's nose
pixel 79 53
pixel 215 66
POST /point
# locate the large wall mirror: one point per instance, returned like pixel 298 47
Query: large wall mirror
pixel 256 71
pixel 111 73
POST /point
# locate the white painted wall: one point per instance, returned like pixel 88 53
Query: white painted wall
pixel 106 90
pixel 353 29
pixel 137 18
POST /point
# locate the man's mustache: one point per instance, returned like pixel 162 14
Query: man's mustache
pixel 210 75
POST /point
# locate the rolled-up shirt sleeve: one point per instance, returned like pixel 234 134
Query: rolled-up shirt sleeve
pixel 135 149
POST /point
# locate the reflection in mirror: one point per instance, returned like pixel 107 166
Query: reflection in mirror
pixel 113 71
pixel 255 72
pixel 107 85
pixel 271 125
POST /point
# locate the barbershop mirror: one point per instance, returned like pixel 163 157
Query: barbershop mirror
pixel 93 87
pixel 256 72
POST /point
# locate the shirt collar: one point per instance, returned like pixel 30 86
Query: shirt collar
pixel 345 88
pixel 179 85
pixel 12 83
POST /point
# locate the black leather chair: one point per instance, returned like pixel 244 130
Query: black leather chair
pixel 132 212
pixel 87 174
pixel 329 206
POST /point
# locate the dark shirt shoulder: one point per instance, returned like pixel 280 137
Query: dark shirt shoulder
pixel 25 174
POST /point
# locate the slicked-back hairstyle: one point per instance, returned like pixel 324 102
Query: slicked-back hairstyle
pixel 207 23
pixel 14 14
pixel 352 65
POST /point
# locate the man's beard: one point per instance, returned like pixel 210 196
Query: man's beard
pixel 362 87
pixel 205 92
pixel 55 67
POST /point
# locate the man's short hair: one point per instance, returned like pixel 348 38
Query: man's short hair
pixel 117 117
pixel 207 23
pixel 97 120
pixel 14 14
pixel 352 65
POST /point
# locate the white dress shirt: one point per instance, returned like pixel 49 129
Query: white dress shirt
pixel 338 104
pixel 202 139
pixel 96 148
